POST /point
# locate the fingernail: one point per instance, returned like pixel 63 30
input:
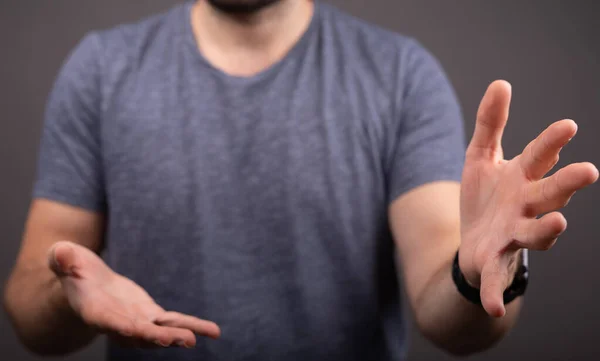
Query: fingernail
pixel 182 343
pixel 160 343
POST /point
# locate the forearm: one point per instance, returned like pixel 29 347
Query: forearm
pixel 41 316
pixel 453 323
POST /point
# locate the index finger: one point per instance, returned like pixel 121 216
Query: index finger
pixel 194 324
pixel 492 116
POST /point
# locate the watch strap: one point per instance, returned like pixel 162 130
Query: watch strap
pixel 516 289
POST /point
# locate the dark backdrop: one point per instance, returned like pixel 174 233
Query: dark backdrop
pixel 547 49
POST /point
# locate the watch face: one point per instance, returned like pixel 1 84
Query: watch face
pixel 525 257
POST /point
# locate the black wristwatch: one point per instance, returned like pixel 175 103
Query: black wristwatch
pixel 516 289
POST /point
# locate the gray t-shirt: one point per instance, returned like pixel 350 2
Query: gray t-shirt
pixel 259 203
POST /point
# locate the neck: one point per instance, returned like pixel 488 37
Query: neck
pixel 245 44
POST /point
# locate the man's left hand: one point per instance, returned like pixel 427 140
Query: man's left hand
pixel 502 199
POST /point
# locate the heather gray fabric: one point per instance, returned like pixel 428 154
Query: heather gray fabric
pixel 259 203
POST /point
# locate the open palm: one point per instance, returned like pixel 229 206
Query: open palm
pixel 117 306
pixel 502 199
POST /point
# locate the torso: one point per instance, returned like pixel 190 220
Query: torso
pixel 259 203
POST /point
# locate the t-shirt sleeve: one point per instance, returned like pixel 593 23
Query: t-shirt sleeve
pixel 69 168
pixel 428 140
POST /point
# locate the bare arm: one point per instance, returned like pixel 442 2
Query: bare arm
pixel 59 284
pixel 426 226
pixel 62 294
pixel 33 298
pixel 491 215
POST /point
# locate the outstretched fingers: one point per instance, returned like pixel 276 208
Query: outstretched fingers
pixel 540 156
pixel 554 192
pixel 139 331
pixel 539 234
pixel 196 325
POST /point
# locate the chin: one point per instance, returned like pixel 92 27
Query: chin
pixel 241 6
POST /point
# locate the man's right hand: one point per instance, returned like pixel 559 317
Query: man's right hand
pixel 117 306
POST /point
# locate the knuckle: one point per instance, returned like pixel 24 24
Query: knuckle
pixel 166 317
pixel 491 288
pixel 522 162
pixel 491 279
pixel 544 144
pixel 530 196
pixel 127 329
pixel 557 181
pixel 132 326
pixel 546 196
pixel 535 157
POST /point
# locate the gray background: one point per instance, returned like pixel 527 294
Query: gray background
pixel 546 49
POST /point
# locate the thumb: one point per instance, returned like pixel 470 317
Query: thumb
pixel 492 116
pixel 493 283
pixel 62 259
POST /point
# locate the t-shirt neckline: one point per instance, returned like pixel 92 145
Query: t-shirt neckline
pixel 297 48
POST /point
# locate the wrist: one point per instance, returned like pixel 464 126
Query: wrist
pixel 519 270
pixel 470 276
pixel 473 279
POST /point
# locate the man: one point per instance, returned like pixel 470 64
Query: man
pixel 257 163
